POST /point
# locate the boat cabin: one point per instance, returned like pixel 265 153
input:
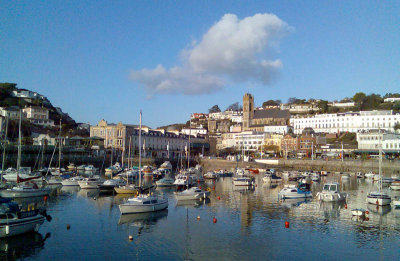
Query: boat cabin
pixel 332 187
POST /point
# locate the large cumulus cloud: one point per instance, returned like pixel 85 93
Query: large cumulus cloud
pixel 231 50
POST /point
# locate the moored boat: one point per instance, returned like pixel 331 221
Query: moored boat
pixel 293 191
pixel 90 183
pixel 192 194
pixel 331 193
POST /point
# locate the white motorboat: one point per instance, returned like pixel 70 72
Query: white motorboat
pixel 54 180
pixel 143 204
pixel 192 194
pixel 90 183
pixel 395 185
pixel 165 182
pixel 90 168
pixel 71 166
pixel 110 184
pixel 243 181
pixel 331 193
pixel 211 175
pixel 73 181
pixel 24 173
pixel 23 191
pixel 293 191
pixel 324 173
pixel 359 212
pixel 370 175
pixel 360 175
pixel 14 221
pixel 378 198
pixel 271 178
pixel 182 180
pixel 345 176
pixel 395 177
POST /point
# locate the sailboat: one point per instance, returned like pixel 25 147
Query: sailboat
pixel 143 203
pixel 28 189
pixel 379 197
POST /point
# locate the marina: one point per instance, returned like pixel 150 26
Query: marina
pixel 233 222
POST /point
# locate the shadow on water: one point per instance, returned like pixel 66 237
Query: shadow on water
pixel 22 246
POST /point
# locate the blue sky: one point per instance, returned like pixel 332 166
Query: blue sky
pixel 98 59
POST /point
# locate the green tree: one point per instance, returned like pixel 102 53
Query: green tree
pixel 372 102
pixel 396 106
pixel 270 103
pixel 214 108
pixel 6 89
pixel 397 126
pixel 359 98
pixel 323 106
pixel 234 107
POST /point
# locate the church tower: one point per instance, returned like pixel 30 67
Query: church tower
pixel 248 110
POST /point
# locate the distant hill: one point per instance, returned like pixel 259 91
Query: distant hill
pixel 173 127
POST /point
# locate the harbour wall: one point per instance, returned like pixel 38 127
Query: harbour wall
pixel 388 167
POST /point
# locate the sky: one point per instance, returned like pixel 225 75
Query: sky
pixel 110 59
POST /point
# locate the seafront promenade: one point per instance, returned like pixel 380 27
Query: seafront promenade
pixel 388 167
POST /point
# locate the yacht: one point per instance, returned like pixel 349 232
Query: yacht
pixel 54 180
pixel 243 181
pixel 23 191
pixel 182 179
pixel 24 173
pixel 72 181
pixel 90 183
pixel 211 175
pixel 14 221
pixel 71 167
pixel 331 193
pixel 293 191
pixel 395 185
pixel 271 178
pixel 90 168
pixel 110 184
pixel 165 182
pixel 192 194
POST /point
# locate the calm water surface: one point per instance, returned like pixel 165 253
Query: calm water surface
pixel 250 225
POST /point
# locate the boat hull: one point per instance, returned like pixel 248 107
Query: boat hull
pixel 128 208
pixel 203 195
pixel 23 194
pixel 13 227
pixel 89 184
pixel 379 201
pixel 125 190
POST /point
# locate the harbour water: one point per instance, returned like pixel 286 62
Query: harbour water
pixel 250 225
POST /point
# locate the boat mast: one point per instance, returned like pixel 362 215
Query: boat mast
pixel 129 149
pixel 190 134
pixel 4 150
pixel 140 150
pixel 59 149
pixel 380 161
pixel 19 144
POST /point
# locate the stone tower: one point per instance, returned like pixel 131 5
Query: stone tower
pixel 248 110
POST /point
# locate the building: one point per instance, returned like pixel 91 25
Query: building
pixel 393 99
pixel 10 112
pixel 249 140
pixel 273 142
pixel 255 120
pixel 38 115
pixel 155 143
pixel 278 129
pixel 342 104
pixel 347 122
pixel 290 145
pixel 194 131
pixel 371 140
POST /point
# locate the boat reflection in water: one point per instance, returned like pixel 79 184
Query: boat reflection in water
pixel 194 203
pixel 88 193
pixel 143 220
pixel 332 209
pixel 23 246
pixel 70 189
pixel 381 210
pixel 294 202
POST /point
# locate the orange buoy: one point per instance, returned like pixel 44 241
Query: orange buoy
pixel 219 198
pixel 214 220
pixel 287 224
pixel 45 198
pixel 367 212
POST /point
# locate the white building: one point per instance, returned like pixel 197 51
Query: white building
pixel 194 131
pixel 347 122
pixel 10 112
pixel 277 129
pixel 371 140
pixel 22 93
pixel 250 140
pixel 342 104
pixel 235 116
pixel 391 99
pixel 38 115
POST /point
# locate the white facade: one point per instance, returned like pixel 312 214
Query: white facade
pixel 38 115
pixel 9 113
pixel 343 104
pixel 194 131
pixel 391 100
pixel 235 116
pixel 277 129
pixel 250 140
pixel 371 141
pixel 347 122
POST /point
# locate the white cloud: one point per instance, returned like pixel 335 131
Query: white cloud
pixel 232 49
